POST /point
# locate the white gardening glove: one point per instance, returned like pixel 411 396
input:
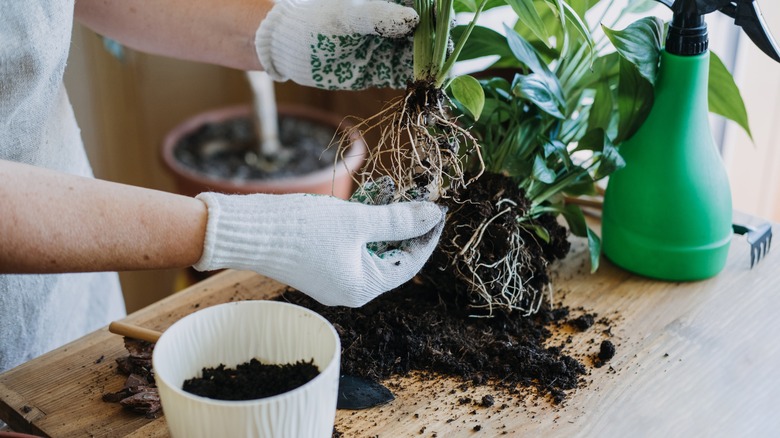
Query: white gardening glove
pixel 318 244
pixel 338 44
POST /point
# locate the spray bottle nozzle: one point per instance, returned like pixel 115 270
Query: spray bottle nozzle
pixel 688 32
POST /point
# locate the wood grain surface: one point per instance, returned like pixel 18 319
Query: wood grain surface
pixel 693 359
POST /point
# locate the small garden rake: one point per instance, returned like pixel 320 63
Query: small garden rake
pixel 759 238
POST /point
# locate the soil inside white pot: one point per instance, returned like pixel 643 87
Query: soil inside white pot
pixel 251 380
pixel 228 149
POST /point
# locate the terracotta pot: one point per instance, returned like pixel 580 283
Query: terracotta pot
pixel 328 181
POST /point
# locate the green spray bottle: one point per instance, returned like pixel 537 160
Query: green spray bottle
pixel 667 213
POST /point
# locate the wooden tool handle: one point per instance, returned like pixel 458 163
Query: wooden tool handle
pixel 133 331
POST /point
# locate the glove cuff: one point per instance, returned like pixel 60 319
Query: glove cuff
pixel 241 237
pixel 264 44
pixel 275 41
pixel 222 238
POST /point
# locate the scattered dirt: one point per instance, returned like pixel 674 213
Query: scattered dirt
pixel 251 380
pixel 228 150
pixel 437 323
pixel 416 328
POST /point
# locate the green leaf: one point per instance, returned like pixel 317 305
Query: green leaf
pixel 501 86
pixel 482 42
pixel 542 172
pixel 468 91
pixel 465 5
pixel 539 231
pixel 574 19
pixel 528 15
pixel 554 147
pixel 604 69
pixel 635 98
pixel 594 247
pixel 471 5
pixel 724 96
pixel 583 185
pixel 579 227
pixel 582 6
pixel 540 92
pixel 610 160
pixel 603 107
pixel 640 43
pixel 639 6
pixel 575 219
pixel 592 141
pixel 524 52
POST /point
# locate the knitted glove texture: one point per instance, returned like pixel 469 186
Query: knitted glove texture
pixel 320 244
pixel 338 44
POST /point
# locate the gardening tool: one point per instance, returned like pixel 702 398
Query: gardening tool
pixel 354 392
pixel 668 213
pixel 361 393
pixel 759 238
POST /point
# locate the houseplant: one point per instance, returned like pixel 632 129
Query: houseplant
pixel 543 123
pixel 554 129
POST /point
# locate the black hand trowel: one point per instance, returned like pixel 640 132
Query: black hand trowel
pixel 361 393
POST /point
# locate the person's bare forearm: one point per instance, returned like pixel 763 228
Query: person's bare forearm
pixel 55 222
pixel 213 31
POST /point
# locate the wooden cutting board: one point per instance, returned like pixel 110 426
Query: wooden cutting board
pixel 692 359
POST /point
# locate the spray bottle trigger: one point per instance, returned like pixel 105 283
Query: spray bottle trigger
pixel 747 15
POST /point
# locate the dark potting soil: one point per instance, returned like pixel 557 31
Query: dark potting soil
pixel 429 325
pixel 229 149
pixel 417 328
pixel 251 380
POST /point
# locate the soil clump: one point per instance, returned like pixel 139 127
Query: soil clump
pixel 492 253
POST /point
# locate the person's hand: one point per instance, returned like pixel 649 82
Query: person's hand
pixel 338 44
pixel 319 244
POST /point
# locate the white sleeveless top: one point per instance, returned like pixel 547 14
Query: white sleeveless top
pixel 41 312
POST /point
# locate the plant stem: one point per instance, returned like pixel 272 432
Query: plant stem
pixel 423 37
pixel 441 37
pixel 432 37
pixel 445 69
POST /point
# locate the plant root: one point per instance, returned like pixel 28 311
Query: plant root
pixel 489 253
pixel 499 284
pixel 421 147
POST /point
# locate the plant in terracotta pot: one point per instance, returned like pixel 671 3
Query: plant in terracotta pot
pixel 262 148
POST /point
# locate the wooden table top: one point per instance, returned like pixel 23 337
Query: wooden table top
pixel 693 359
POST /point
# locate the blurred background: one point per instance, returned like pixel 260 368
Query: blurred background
pixel 126 102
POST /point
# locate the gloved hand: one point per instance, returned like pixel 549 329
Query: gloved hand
pixel 317 244
pixel 338 44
